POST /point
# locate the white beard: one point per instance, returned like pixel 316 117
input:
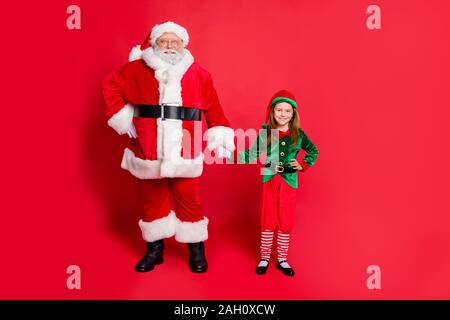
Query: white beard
pixel 169 55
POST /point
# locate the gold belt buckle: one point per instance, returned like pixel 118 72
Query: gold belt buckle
pixel 279 168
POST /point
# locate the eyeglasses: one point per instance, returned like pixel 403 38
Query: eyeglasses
pixel 171 43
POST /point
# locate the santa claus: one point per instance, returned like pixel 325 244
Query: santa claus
pixel 158 98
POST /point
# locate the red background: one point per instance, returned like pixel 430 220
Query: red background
pixel 376 103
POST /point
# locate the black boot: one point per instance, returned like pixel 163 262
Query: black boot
pixel 152 257
pixel 197 259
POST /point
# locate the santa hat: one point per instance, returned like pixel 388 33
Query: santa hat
pixel 157 31
pixel 169 26
pixel 281 96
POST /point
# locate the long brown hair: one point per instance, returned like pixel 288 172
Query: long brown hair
pixel 294 126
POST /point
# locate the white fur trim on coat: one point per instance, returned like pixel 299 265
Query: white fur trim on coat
pixel 191 232
pixel 160 228
pixel 173 165
pixel 157 169
pixel 140 168
pixel 183 168
pixel 169 76
pixel 220 136
pixel 135 53
pixel 169 26
pixel 121 121
pixel 170 163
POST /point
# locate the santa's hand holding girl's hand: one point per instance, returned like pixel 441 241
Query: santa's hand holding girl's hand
pixel 294 164
pixel 223 153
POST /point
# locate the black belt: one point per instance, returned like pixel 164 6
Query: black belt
pixel 170 112
pixel 280 168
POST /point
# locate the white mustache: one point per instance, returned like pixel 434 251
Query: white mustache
pixel 169 51
pixel 171 56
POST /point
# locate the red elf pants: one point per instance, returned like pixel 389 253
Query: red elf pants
pixel 278 203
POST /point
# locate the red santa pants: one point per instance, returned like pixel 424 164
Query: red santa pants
pixel 154 196
pixel 278 205
pixel 186 222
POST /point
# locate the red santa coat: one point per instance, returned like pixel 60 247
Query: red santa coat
pixel 167 148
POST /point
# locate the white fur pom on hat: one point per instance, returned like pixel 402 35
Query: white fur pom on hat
pixel 169 26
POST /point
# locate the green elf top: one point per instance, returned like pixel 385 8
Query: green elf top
pixel 281 146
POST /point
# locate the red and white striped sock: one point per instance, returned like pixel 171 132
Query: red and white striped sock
pixel 283 245
pixel 266 244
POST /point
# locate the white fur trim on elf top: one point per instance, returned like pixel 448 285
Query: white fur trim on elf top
pixel 220 136
pixel 169 26
pixel 191 232
pixel 160 228
pixel 122 120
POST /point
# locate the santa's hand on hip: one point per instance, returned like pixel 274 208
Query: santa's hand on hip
pixel 132 131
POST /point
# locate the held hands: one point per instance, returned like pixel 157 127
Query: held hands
pixel 294 164
pixel 223 153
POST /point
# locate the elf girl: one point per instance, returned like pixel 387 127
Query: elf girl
pixel 282 141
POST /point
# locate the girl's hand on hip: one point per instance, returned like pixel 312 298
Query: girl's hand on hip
pixel 294 164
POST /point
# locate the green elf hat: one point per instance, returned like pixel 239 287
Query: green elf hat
pixel 284 99
pixel 281 96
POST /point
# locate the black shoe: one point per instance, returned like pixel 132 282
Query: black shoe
pixel 262 270
pixel 152 257
pixel 197 259
pixel 286 271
